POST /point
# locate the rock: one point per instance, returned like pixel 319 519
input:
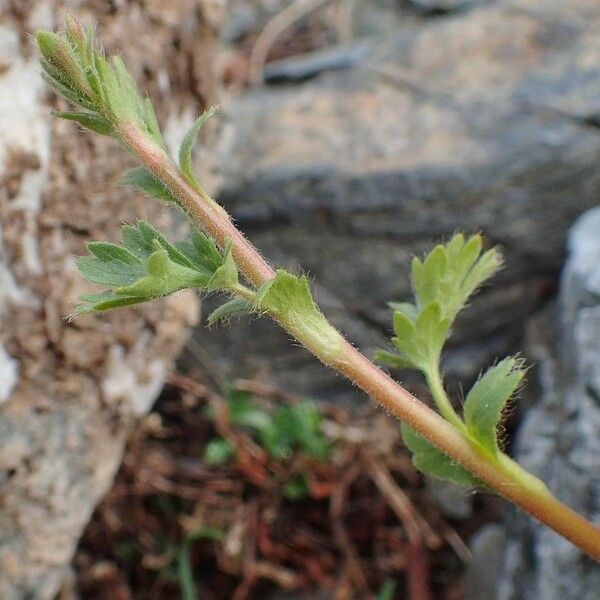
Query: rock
pixel 441 7
pixel 478 122
pixel 454 501
pixel 487 548
pixel 70 391
pixel 305 66
pixel 559 438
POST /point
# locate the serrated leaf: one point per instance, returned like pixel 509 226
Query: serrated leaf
pixel 487 399
pixel 135 242
pixel 110 265
pixel 450 274
pixel 230 309
pixel 164 277
pixel 432 329
pixel 153 237
pixel 431 461
pixel 142 179
pixel 81 73
pixel 419 342
pixel 185 152
pixel 427 275
pixel 201 250
pixel 90 121
pixel 107 251
pixel 148 266
pixel 483 269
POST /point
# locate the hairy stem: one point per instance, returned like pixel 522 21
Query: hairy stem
pixel 523 491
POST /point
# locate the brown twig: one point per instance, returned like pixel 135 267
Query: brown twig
pixel 280 23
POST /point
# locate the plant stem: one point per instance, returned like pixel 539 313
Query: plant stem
pixel 534 499
pixel 436 385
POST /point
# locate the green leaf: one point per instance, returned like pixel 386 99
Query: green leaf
pixel 431 461
pixel 108 267
pixel 142 179
pixel 103 301
pixel 202 250
pixel 185 575
pixel 406 308
pixel 297 488
pixel 148 266
pixel 90 121
pixel 185 152
pixel 387 590
pixel 218 452
pixel 80 72
pixel 450 274
pixel 207 533
pixel 226 311
pixel 226 276
pixel 432 329
pixel 243 412
pixel 307 429
pixel 488 398
pixel 419 342
pixel 286 293
pixel 442 283
pixel 154 237
pixel 163 278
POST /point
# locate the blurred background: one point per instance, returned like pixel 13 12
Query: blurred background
pixel 145 456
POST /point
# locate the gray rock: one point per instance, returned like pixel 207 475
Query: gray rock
pixel 454 500
pixel 70 391
pixel 482 121
pixel 559 439
pixel 438 7
pixel 487 549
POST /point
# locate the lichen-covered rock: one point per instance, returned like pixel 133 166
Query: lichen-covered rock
pixel 559 439
pixel 70 391
pixel 485 120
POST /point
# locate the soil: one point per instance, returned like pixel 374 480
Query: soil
pixel 367 518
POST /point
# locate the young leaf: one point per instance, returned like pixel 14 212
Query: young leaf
pixel 443 283
pixel 451 273
pixel 487 399
pixel 185 152
pixel 431 461
pixel 81 73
